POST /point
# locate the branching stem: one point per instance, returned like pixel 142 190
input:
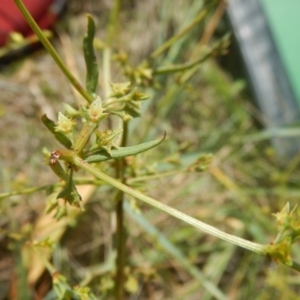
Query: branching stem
pixel 258 248
pixel 121 233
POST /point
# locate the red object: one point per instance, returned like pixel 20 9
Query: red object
pixel 44 12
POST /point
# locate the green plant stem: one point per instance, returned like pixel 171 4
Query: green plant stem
pixel 180 34
pixel 181 67
pixel 113 22
pixel 84 136
pixel 111 36
pixel 121 234
pixel 251 246
pixel 120 245
pixel 52 51
pixel 106 71
pixel 23 291
pixel 206 52
pixel 156 176
pixel 258 248
pixel 26 191
pixel 188 70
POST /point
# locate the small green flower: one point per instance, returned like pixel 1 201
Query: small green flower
pixel 107 140
pixel 144 71
pixel 64 124
pixel 120 89
pixel 138 96
pixel 281 252
pixel 96 112
pixel 283 217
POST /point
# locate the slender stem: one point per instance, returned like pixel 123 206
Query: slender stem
pixel 156 176
pixel 113 22
pixel 180 34
pixel 120 244
pixel 26 191
pixel 207 51
pixel 106 71
pixel 23 291
pixel 52 51
pixel 111 38
pixel 84 136
pixel 121 234
pixel 258 248
pixel 125 134
pixel 181 67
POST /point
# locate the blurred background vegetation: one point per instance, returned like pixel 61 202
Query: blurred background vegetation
pixel 203 110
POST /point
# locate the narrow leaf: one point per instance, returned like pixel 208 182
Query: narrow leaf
pixel 90 57
pixel 103 155
pixel 58 135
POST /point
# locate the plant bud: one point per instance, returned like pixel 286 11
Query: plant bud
pixel 64 124
pixel 96 111
pixel 119 89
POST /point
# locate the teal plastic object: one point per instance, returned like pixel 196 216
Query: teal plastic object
pixel 266 35
pixel 284 21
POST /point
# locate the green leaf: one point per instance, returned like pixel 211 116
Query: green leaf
pixel 70 193
pixel 103 155
pixel 58 135
pixel 90 57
